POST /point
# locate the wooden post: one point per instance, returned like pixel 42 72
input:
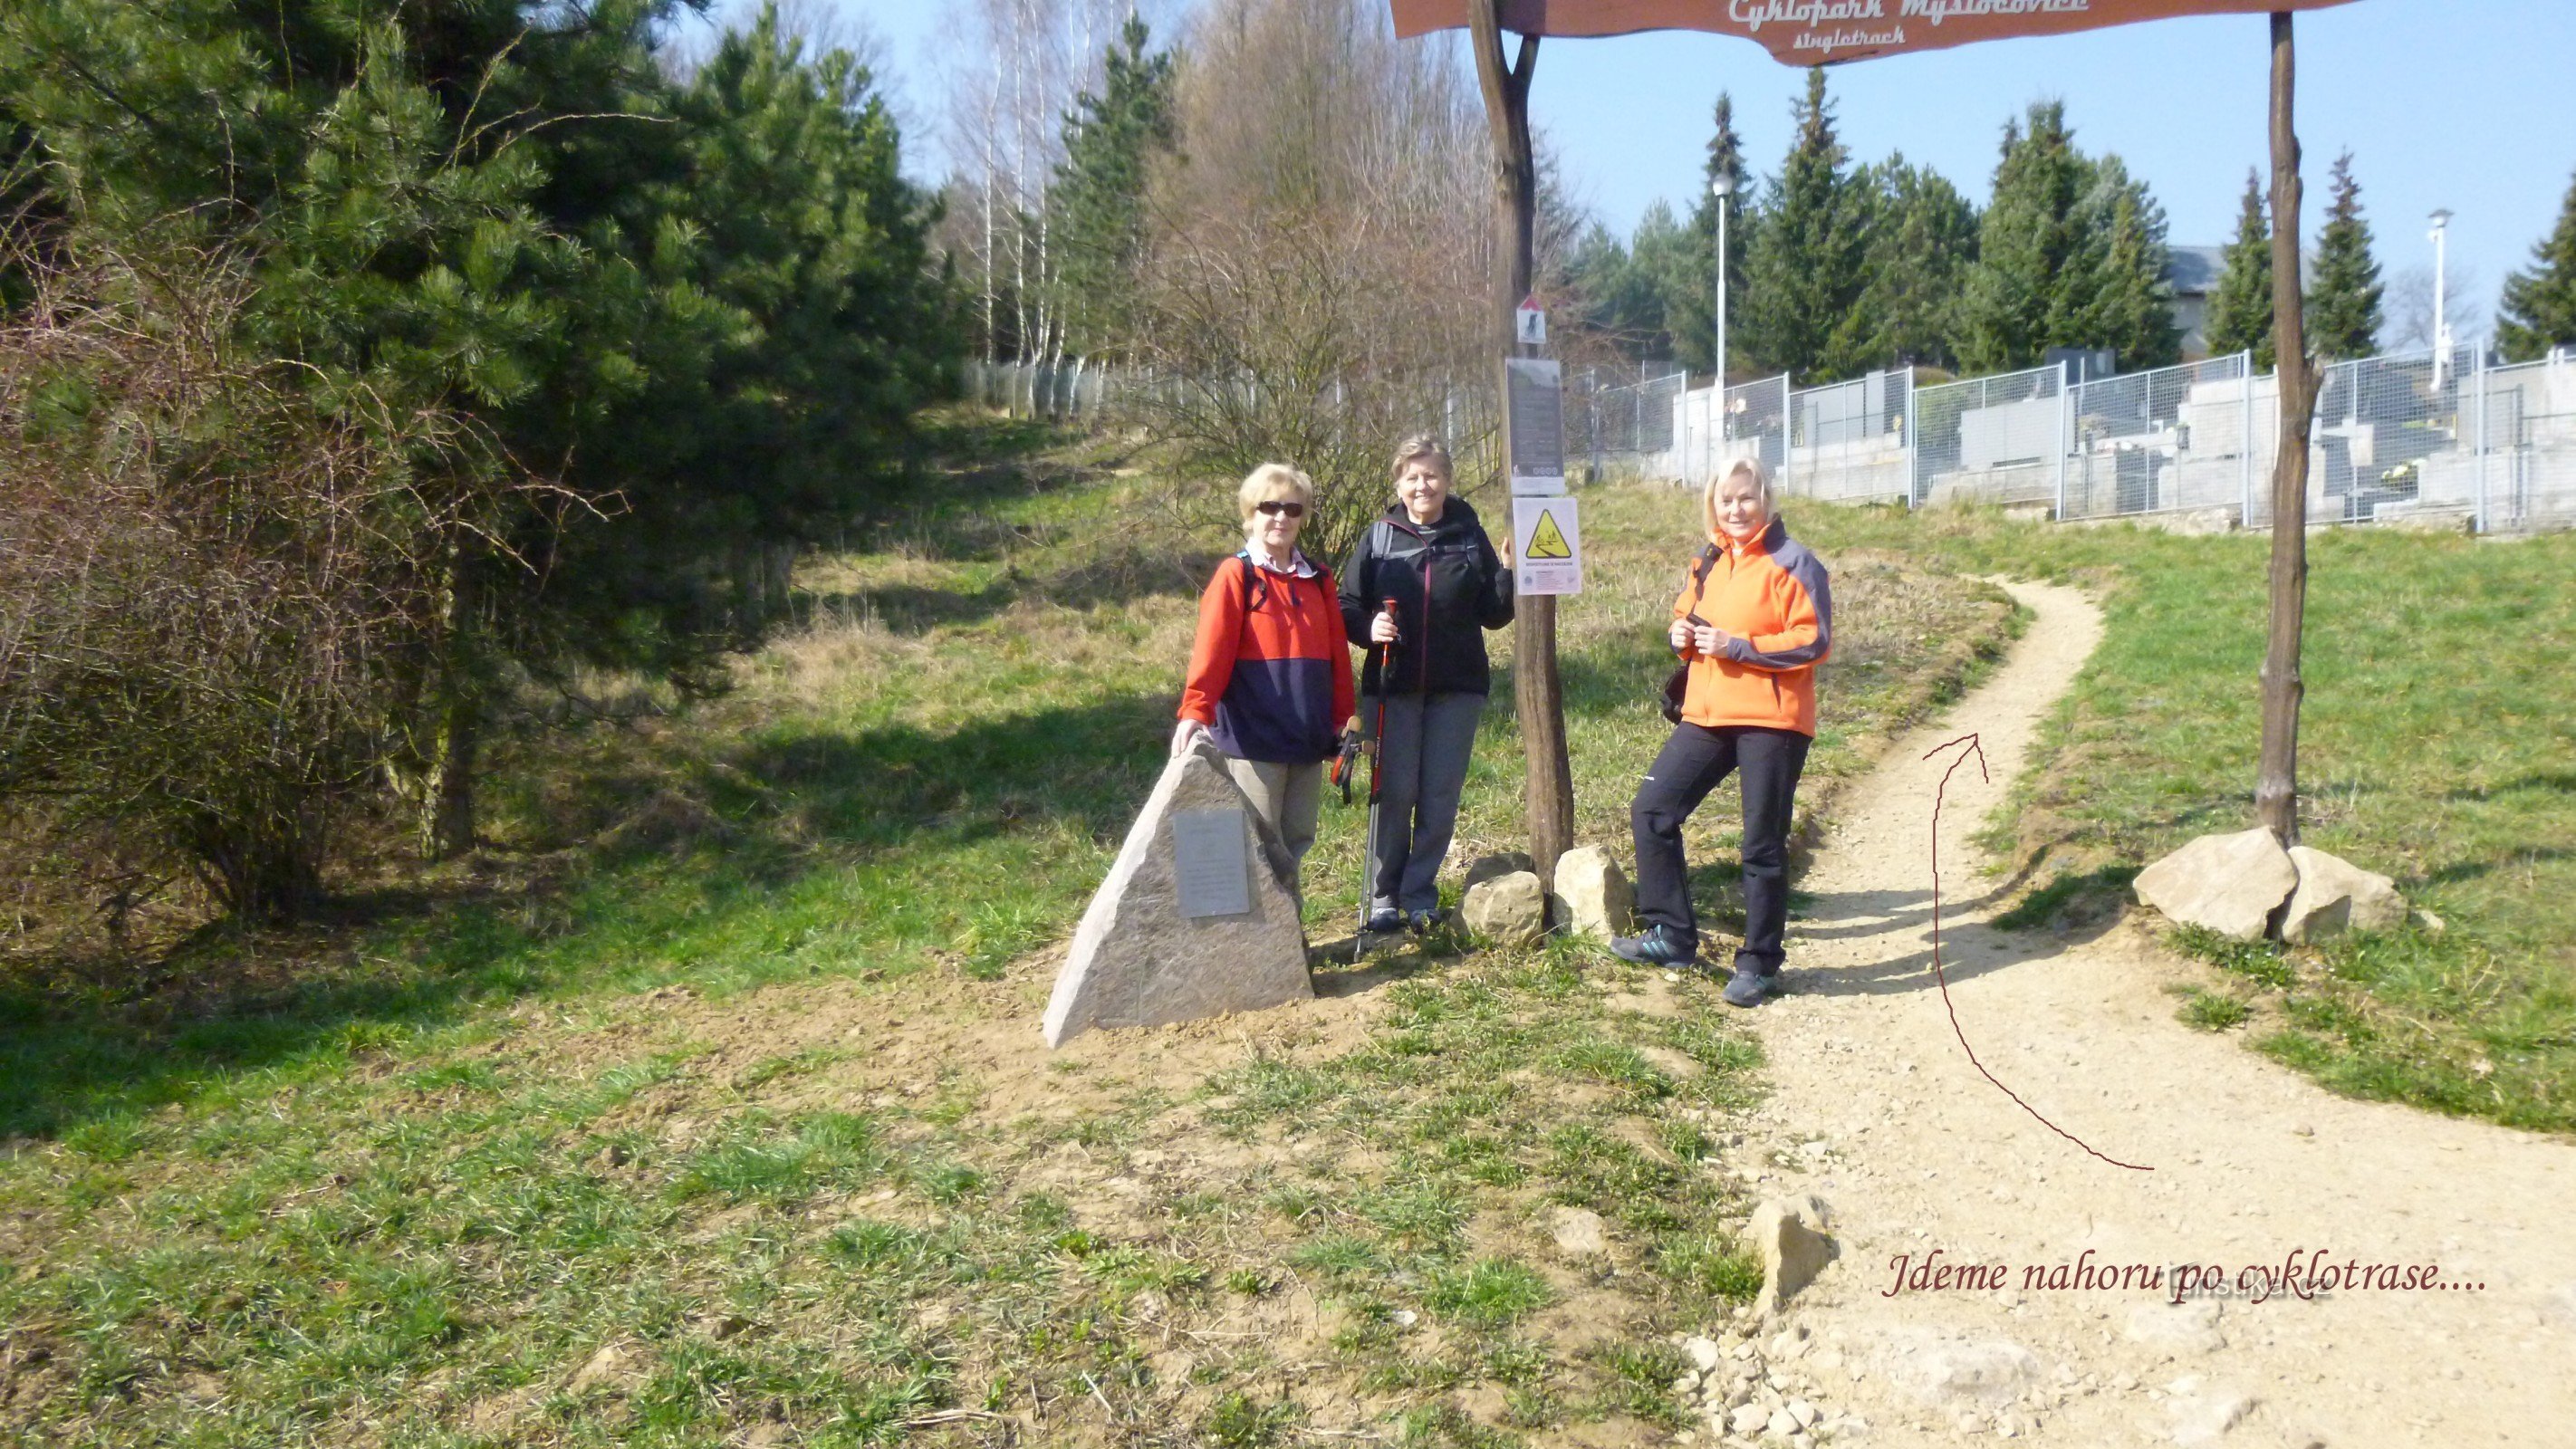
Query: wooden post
pixel 1537 693
pixel 2276 782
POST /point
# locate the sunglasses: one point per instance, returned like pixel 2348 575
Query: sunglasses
pixel 1281 508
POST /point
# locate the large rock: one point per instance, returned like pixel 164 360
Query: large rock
pixel 1486 867
pixel 1592 896
pixel 2228 883
pixel 1509 910
pixel 1789 1233
pixel 1138 960
pixel 2334 896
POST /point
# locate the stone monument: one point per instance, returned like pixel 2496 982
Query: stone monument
pixel 1195 919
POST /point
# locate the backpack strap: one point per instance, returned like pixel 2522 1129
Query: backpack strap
pixel 1699 581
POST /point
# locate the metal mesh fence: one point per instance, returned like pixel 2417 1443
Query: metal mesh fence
pixel 2522 428
pixel 1848 440
pixel 1630 426
pixel 2170 440
pixel 1994 439
pixel 2403 438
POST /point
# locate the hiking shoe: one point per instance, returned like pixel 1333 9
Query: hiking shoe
pixel 1422 922
pixel 1659 946
pixel 1384 920
pixel 1748 986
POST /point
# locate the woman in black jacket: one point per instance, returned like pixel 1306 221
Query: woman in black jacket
pixel 1423 692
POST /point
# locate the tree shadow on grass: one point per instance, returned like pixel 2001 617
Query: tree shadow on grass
pixel 1116 574
pixel 380 968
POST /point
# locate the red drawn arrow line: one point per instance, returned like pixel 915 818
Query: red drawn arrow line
pixel 1977 748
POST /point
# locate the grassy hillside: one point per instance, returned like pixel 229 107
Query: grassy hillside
pixel 707 1107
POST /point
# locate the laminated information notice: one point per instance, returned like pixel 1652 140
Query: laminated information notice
pixel 1536 387
pixel 1211 870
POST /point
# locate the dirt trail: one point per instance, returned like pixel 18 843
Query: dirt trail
pixel 2251 1163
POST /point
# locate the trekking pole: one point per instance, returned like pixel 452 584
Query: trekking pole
pixel 1377 779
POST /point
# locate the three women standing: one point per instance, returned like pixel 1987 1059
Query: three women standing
pixel 1421 587
pixel 1753 620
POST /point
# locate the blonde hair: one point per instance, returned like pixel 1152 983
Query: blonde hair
pixel 1423 445
pixel 1751 468
pixel 1273 480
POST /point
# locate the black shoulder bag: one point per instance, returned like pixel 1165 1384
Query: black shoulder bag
pixel 1677 684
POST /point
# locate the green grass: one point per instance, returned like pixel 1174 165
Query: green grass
pixel 411 1174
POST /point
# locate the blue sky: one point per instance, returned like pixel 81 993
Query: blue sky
pixel 2464 104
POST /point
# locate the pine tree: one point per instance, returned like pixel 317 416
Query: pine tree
pixel 1110 142
pixel 2342 305
pixel 1918 261
pixel 1805 265
pixel 1693 317
pixel 2540 304
pixel 2240 307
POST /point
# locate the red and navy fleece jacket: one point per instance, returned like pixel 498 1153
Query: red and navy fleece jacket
pixel 1270 675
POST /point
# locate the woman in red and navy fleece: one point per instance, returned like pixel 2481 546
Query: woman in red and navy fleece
pixel 1270 675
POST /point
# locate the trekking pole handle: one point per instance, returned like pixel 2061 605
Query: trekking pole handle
pixel 1387 607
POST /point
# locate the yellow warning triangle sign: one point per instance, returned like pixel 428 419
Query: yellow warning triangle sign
pixel 1547 540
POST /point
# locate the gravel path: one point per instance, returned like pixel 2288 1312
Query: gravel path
pixel 1879 1112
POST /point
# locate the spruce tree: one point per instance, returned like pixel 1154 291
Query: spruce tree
pixel 2071 253
pixel 1694 317
pixel 1110 142
pixel 2342 306
pixel 2540 304
pixel 1670 275
pixel 2115 293
pixel 2024 244
pixel 2240 307
pixel 1918 261
pixel 1805 265
pixel 1615 297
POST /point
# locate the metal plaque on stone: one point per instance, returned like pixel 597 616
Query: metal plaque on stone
pixel 1211 871
pixel 1537 399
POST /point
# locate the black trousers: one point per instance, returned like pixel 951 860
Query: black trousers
pixel 1692 763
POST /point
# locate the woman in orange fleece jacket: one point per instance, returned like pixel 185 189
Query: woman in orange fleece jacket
pixel 1270 676
pixel 1754 619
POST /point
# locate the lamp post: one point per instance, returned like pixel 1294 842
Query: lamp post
pixel 1721 187
pixel 2441 296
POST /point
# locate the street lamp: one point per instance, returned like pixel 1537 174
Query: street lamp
pixel 2441 297
pixel 1721 186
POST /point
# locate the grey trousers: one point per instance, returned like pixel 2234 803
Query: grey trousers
pixel 1287 797
pixel 1428 739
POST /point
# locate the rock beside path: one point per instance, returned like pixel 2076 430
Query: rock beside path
pixel 1486 867
pixel 2334 896
pixel 1592 896
pixel 2228 883
pixel 1138 960
pixel 1509 909
pixel 1789 1234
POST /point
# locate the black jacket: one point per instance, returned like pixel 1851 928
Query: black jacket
pixel 1446 572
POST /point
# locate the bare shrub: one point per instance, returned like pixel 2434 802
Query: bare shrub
pixel 227 587
pixel 1315 286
